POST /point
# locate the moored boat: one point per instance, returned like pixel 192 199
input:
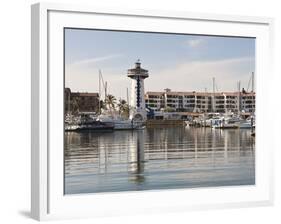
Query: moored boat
pixel 71 127
pixel 226 122
pixel 95 126
pixel 248 123
pixel 85 122
pixel 119 123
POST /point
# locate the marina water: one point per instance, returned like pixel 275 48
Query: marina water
pixel 158 158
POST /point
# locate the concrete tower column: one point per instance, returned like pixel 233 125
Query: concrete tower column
pixel 138 109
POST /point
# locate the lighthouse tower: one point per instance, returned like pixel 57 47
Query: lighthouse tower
pixel 137 74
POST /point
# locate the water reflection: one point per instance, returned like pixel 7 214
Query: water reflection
pixel 158 158
pixel 136 157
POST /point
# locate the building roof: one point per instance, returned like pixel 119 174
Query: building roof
pixel 201 93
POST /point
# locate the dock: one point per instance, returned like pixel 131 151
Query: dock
pixel 154 122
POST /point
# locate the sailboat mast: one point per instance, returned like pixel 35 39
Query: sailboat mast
pixel 99 92
pixel 239 97
pixel 127 96
pixel 68 105
pixel 105 90
pixel 253 82
pixel 128 101
pixel 213 103
pixel 214 85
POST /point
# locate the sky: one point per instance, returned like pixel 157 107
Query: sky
pixel 181 62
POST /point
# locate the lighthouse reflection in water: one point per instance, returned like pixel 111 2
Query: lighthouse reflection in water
pixel 158 158
pixel 136 157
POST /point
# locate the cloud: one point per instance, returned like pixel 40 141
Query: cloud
pixel 91 61
pixel 193 43
pixel 197 75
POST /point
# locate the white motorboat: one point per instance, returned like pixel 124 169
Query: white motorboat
pixel 248 123
pixel 245 125
pixel 208 118
pixel 71 122
pixel 120 123
pixel 84 122
pixel 226 121
pixel 71 127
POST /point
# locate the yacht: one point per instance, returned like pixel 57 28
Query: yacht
pixel 120 123
pixel 248 123
pixel 71 127
pixel 71 122
pixel 95 126
pixel 84 122
pixel 226 121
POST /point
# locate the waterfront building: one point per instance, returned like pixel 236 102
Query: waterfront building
pixel 248 102
pixel 137 104
pixel 200 102
pixel 80 101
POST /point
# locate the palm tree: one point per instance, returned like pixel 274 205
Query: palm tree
pixel 102 106
pixel 75 105
pixel 123 108
pixel 110 101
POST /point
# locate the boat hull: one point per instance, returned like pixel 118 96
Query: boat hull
pixel 90 126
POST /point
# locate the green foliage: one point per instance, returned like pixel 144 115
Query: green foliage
pixel 169 109
pixel 110 101
pixel 123 108
pixel 75 105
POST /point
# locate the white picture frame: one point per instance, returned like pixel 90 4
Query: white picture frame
pixel 48 200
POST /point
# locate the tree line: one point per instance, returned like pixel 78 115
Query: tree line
pixel 110 104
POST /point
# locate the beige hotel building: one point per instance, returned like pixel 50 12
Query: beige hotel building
pixel 200 102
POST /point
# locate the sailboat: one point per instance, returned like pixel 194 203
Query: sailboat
pixel 110 116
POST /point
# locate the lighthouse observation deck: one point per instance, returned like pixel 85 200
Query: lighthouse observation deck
pixel 137 71
pixel 138 109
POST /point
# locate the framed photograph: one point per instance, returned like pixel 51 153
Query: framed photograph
pixel 138 111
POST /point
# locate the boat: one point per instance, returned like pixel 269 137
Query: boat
pixel 120 123
pixel 110 116
pixel 208 118
pixel 71 127
pixel 216 122
pixel 85 122
pixel 226 121
pixel 233 121
pixel 71 122
pixel 95 126
pixel 245 125
pixel 249 123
